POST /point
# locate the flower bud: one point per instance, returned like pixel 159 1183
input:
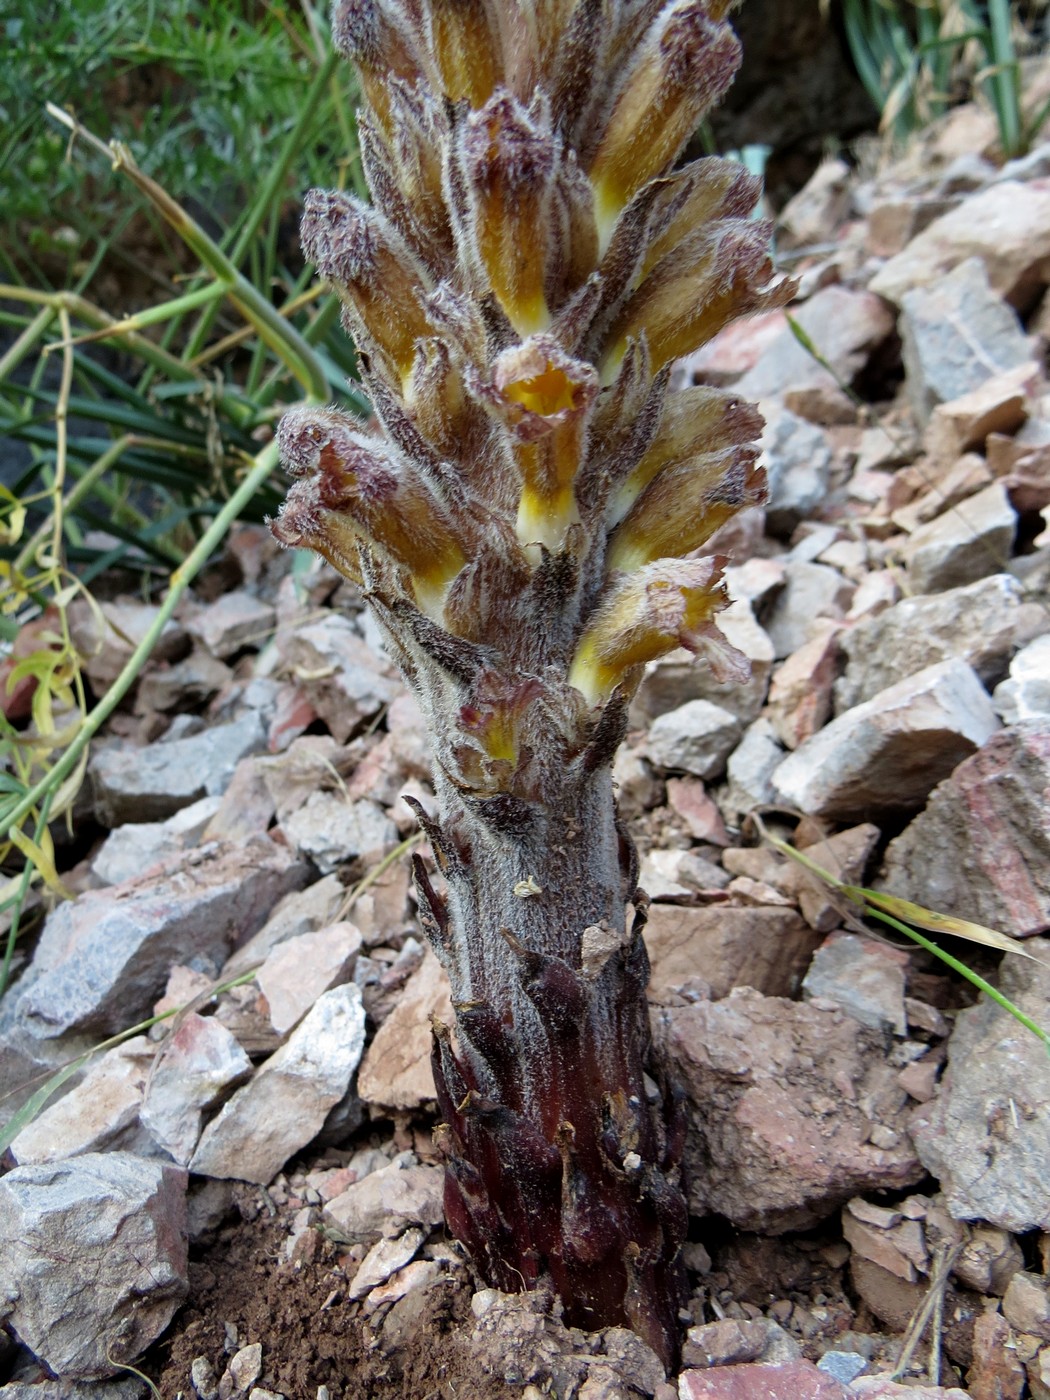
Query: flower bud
pixel 684 65
pixel 719 274
pixel 465 43
pixel 377 36
pixel 684 505
pixel 509 160
pixel 695 422
pixel 403 170
pixel 381 284
pixel 705 191
pixel 666 605
pixel 353 493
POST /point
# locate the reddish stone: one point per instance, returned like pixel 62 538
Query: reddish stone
pixel 795 1380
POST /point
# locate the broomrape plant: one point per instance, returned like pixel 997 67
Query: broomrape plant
pixel 525 518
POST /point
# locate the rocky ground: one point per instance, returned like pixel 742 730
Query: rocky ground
pixel 243 1199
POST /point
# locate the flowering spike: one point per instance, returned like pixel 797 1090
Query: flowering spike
pixel 520 520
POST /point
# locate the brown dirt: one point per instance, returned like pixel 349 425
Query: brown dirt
pixel 243 1290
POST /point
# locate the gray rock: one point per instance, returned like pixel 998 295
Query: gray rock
pixel 298 970
pixel 1026 693
pixel 331 831
pixel 384 1258
pixel 42 1387
pixel 232 621
pixel 965 543
pixel 797 460
pixel 285 1105
pixel 108 649
pixel 1005 227
pixel 388 1202
pixel 103 959
pixel 865 978
pixel 956 334
pixel 750 770
pixel 843 1366
pixel 887 754
pixel 981 849
pixel 782 1097
pixel 130 850
pixel 980 624
pixel 810 592
pixel 198 1064
pixel 183 685
pixel 100 1113
pixel 986 1137
pixel 696 738
pixel 680 676
pixel 300 911
pixel 117 1223
pixel 133 784
pixel 343 677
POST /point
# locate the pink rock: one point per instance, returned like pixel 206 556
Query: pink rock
pixel 725 947
pixel 396 1073
pixel 794 1380
pixel 800 697
pixel 300 969
pixel 782 1101
pixel 996 1373
pixel 882 1388
pixel 736 349
pixel 687 797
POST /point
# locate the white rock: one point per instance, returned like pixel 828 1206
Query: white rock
pixel 811 592
pixel 330 831
pixel 967 542
pixel 797 460
pixel 134 847
pixel 234 620
pixel 889 753
pixel 383 1259
pixel 1026 694
pixel 196 1066
pixel 750 769
pixel 101 1113
pixel 285 1105
pixel 387 1202
pixel 696 738
pixel 300 969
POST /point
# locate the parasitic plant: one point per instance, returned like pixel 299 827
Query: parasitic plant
pixel 526 518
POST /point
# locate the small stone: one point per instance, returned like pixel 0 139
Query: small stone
pixel 801 694
pixel 102 959
pixel 989 1260
pixel 100 1113
pixel 967 542
pixel 862 976
pixel 1005 228
pixel 999 405
pixel 181 686
pixel 301 911
pixel 957 334
pixel 388 1202
pixel 750 769
pixel 285 1105
pixel 117 1223
pixel 1026 1305
pixel 793 1380
pixel 196 1067
pixel 811 593
pixel 1038 1373
pixel 396 1073
pixel 764 948
pixel 919 1079
pixel 235 620
pixel 986 1137
pixel 687 798
pixel 300 969
pixel 981 624
pixel 246 1365
pixel 886 754
pixel 844 1366
pixel 385 1258
pixel 818 206
pixel 203 1378
pixel 981 849
pixel 797 461
pixel 133 784
pixel 330 832
pixel 1026 694
pixel 342 677
pixel 996 1372
pixel 696 738
pixel 126 621
pixel 132 849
